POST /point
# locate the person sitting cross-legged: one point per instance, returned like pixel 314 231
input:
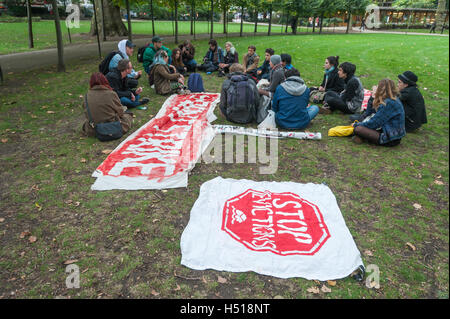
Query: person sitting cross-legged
pixel 387 124
pixel 164 81
pixel 290 103
pixel 213 58
pixel 276 76
pixel 250 61
pixel 263 72
pixel 118 80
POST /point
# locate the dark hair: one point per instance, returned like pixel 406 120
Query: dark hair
pixel 252 47
pixel 123 65
pixel 333 60
pixel 212 42
pixel 292 72
pixel 286 58
pixel 348 68
pixel 270 51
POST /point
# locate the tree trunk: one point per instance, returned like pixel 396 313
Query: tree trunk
pixel 113 24
pixel 314 24
pixel 256 17
pixel 30 25
pixel 130 35
pixel 224 20
pixel 440 15
pixel 270 20
pixel 96 31
pixel 349 22
pixel 242 21
pixel 294 24
pixel 153 17
pixel 59 42
pixel 103 19
pixel 176 21
pixel 192 18
pixel 212 19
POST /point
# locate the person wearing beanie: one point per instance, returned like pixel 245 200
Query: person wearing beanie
pixel 412 100
pixel 276 76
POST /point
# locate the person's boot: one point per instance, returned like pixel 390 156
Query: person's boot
pixel 143 101
pixel 357 140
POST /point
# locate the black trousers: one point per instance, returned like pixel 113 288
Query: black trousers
pixel 335 102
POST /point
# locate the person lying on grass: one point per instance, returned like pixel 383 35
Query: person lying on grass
pixel 350 99
pixel 276 76
pixel 331 81
pixel 230 56
pixel 104 106
pixel 387 125
pixel 263 72
pixel 164 81
pixel 119 82
pixel 290 103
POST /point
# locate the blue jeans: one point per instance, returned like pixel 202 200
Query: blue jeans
pixel 313 110
pixel 128 103
pixel 191 64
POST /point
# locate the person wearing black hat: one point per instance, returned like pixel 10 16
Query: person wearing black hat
pixel 412 100
pixel 149 53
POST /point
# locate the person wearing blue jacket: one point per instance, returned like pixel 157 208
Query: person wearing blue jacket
pixel 385 125
pixel 290 103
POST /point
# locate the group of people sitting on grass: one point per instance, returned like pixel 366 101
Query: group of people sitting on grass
pixel 250 90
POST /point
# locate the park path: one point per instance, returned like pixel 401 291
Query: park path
pixel 26 61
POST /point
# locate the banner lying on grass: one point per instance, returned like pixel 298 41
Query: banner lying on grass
pixel 161 153
pixel 230 129
pixel 279 229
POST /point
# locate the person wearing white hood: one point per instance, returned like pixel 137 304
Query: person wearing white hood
pixel 126 49
pixel 290 103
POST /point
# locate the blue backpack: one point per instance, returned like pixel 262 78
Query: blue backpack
pixel 195 83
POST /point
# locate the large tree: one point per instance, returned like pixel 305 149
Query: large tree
pixel 112 24
pixel 441 14
pixel 59 42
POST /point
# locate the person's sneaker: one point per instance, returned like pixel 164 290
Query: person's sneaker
pixel 221 74
pixel 144 100
pixel 357 140
pixel 141 107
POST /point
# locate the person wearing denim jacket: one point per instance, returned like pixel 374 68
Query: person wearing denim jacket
pixel 387 125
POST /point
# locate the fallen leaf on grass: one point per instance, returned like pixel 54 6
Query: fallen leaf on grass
pixel 39 207
pixel 411 246
pixel 51 112
pixel 24 233
pixel 325 289
pixel 221 279
pixel 4 140
pixel 83 160
pixel 178 288
pixel 107 151
pixel 368 253
pixel 332 283
pixel 32 239
pixel 417 206
pixel 438 182
pixel 2 220
pixel 70 261
pixel 313 290
pixel 155 293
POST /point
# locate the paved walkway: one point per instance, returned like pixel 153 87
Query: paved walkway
pixel 25 61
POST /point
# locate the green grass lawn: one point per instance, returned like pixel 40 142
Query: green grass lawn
pixel 14 36
pixel 126 243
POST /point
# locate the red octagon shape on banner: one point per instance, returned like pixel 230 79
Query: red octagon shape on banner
pixel 282 223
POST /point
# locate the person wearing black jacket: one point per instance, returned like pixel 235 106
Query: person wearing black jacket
pixel 331 81
pixel 351 98
pixel 118 81
pixel 412 100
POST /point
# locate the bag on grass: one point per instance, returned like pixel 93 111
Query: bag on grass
pixel 140 54
pixel 269 121
pixel 316 97
pixel 344 130
pixel 195 83
pixel 104 131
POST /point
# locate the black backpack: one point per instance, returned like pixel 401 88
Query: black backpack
pixel 140 54
pixel 103 67
pixel 241 100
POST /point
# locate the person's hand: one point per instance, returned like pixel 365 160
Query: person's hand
pixel 139 91
pixel 258 72
pixel 321 89
pixel 133 98
pixel 185 69
pixel 173 67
